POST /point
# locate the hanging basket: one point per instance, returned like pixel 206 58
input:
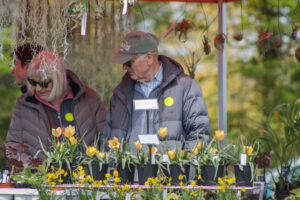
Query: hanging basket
pixel 297 53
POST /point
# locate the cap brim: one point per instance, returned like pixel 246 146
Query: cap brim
pixel 121 58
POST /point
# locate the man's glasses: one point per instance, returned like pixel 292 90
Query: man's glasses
pixel 41 84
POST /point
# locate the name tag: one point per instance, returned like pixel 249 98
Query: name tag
pixel 149 139
pixel 145 104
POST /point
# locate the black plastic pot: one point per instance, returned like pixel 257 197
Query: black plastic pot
pixel 126 174
pixel 243 177
pixel 146 171
pixel 209 175
pixel 97 173
pixel 175 171
pixel 66 179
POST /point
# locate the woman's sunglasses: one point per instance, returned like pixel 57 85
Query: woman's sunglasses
pixel 41 84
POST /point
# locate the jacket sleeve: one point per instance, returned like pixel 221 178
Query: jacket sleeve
pixel 195 115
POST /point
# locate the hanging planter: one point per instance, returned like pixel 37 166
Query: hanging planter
pixel 294 32
pixel 238 36
pixel 182 28
pixel 220 41
pixel 297 53
pixel 206 48
pixel 276 42
pixel 264 40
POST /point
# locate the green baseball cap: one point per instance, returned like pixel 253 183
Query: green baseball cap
pixel 133 44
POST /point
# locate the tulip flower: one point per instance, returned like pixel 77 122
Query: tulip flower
pixel 219 134
pixel 114 143
pixel 91 151
pixel 69 131
pixel 200 145
pixel 195 151
pixel 56 132
pixel 138 145
pixel 73 140
pixel 162 132
pixel 182 153
pixel 172 154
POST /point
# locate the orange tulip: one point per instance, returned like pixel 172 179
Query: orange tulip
pixel 91 151
pixel 69 131
pixel 73 140
pixel 138 145
pixel 56 132
pixel 114 143
pixel 219 134
pixel 200 145
pixel 195 151
pixel 182 153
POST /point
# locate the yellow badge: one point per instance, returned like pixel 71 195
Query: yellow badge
pixel 69 117
pixel 169 101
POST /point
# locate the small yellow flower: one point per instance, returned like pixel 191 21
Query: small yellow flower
pixel 60 180
pixel 243 190
pixel 114 143
pixel 56 132
pixel 219 134
pixel 138 145
pixel 250 150
pixel 172 154
pixel 117 180
pixel 162 132
pixel 105 182
pixel 126 188
pixel 153 150
pixel 200 145
pixel 80 168
pixel 213 150
pixel 199 177
pixel 101 154
pixel 91 151
pixel 193 183
pixel 116 173
pixel 182 153
pixel 73 140
pixel 180 177
pixel 69 131
pixel 195 151
pixel 107 175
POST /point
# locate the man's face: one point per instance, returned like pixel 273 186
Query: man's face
pixel 20 72
pixel 138 69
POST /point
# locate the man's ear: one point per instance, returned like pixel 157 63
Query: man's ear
pixel 150 58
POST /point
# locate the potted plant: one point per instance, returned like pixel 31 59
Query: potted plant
pixel 63 150
pixel 178 165
pixel 211 159
pixel 243 158
pixel 96 161
pixel 279 134
pixel 142 161
pixel 123 159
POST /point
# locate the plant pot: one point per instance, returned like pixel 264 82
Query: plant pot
pixel 283 192
pixel 146 171
pixel 175 171
pixel 209 175
pixel 66 179
pixel 243 177
pixel 97 173
pixel 126 174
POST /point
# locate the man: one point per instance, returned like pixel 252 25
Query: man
pixel 151 76
pixel 23 55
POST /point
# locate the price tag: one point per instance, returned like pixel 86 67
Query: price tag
pixel 243 159
pixel 145 104
pixel 152 159
pixel 127 196
pixel 166 158
pixel 83 23
pixel 149 139
pixel 195 161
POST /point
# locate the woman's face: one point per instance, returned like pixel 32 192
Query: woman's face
pixel 42 88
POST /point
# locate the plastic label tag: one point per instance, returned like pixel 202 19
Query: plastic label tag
pixel 125 7
pixel 166 158
pixel 127 196
pixel 83 23
pixel 149 139
pixel 152 159
pixel 243 159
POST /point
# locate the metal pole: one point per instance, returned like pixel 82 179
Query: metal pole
pixel 222 97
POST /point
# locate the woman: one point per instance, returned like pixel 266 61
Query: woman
pixel 55 98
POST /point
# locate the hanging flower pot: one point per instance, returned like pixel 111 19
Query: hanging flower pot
pixel 264 40
pixel 243 176
pixel 206 45
pixel 219 41
pixel 294 32
pixel 97 171
pixel 126 174
pixel 238 36
pixel 182 28
pixel 297 53
pixel 276 43
pixel 146 171
pixel 209 176
pixel 177 173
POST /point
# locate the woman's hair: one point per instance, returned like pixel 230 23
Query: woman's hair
pixel 49 66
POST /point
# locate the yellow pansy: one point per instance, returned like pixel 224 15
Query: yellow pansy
pixel 162 132
pixel 56 132
pixel 219 134
pixel 172 154
pixel 91 151
pixel 114 143
pixel 69 131
pixel 138 145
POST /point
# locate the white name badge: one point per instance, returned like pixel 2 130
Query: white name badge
pixel 149 139
pixel 145 104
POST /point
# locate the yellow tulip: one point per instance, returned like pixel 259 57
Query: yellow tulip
pixel 69 131
pixel 195 151
pixel 219 134
pixel 172 154
pixel 91 151
pixel 138 145
pixel 162 132
pixel 114 143
pixel 56 132
pixel 213 150
pixel 101 154
pixel 153 150
pixel 182 153
pixel 200 145
pixel 73 140
pixel 248 150
pixel 61 147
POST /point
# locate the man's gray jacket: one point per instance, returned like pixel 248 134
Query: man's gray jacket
pixel 186 117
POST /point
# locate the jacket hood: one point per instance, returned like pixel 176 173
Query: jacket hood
pixel 171 70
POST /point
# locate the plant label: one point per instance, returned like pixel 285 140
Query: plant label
pixel 243 159
pixel 149 139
